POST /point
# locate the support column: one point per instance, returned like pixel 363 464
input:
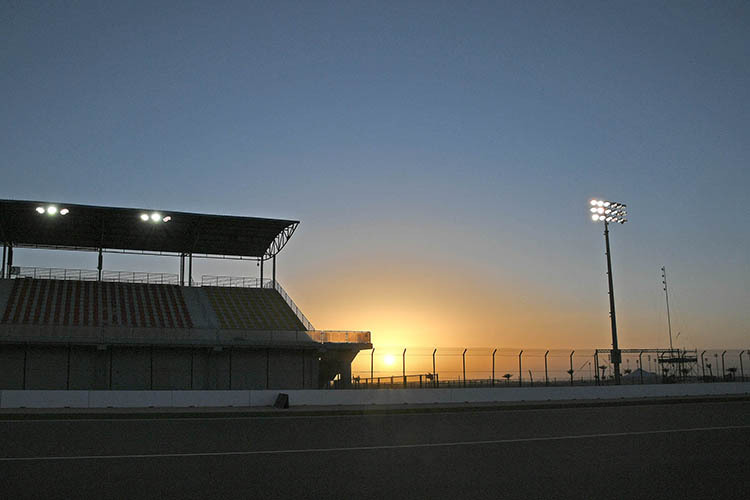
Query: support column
pixel 261 272
pixel 10 260
pixel 100 264
pixel 190 269
pixel 2 268
pixel 346 374
pixel 182 269
pixel 274 271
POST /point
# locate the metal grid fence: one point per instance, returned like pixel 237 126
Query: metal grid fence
pixel 385 367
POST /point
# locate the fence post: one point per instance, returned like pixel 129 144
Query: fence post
pixel 492 383
pixel 434 373
pixel 546 375
pixel 571 367
pixel 742 370
pixel 723 372
pixel 640 364
pixel 372 362
pixel 596 366
pixel 403 366
pixel 520 372
pixel 703 366
pixel 463 357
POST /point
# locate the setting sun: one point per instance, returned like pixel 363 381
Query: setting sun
pixel 389 359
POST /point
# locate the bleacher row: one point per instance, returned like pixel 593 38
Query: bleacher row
pixel 91 303
pixel 252 309
pixel 140 305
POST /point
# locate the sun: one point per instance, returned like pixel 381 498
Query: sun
pixel 389 359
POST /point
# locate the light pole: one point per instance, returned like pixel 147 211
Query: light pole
pixel 610 212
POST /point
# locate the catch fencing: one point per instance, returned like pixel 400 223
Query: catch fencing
pixel 392 367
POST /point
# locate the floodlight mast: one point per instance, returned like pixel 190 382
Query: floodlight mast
pixel 607 211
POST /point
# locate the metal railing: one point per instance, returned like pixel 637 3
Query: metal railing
pixel 160 278
pixel 52 273
pixel 251 282
pixel 235 281
pixel 300 315
pixel 339 336
pixel 172 336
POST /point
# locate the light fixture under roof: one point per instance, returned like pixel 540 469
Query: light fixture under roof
pixel 40 210
pixel 51 210
pixel 64 211
pixel 144 217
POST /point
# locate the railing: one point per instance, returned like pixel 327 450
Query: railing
pixel 250 282
pixel 303 319
pixel 340 336
pixel 52 273
pixel 173 336
pixel 160 278
pixel 235 281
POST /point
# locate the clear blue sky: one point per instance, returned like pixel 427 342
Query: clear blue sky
pixel 423 145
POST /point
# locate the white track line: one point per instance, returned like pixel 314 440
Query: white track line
pixel 397 412
pixel 380 447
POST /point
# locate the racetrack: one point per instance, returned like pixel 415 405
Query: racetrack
pixel 691 450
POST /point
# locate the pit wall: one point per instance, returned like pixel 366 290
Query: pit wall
pixel 260 398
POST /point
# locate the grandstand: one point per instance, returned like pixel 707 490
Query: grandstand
pixel 100 329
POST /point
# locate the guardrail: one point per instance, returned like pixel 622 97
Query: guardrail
pixel 53 273
pixel 300 315
pixel 235 281
pixel 173 336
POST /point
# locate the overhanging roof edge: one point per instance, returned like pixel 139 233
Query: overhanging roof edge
pixel 120 228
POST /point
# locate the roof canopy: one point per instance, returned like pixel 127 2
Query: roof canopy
pixel 87 227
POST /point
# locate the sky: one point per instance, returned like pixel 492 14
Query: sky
pixel 439 155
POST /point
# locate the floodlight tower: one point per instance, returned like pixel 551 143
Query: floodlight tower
pixel 610 212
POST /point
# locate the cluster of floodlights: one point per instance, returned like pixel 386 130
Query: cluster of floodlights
pixel 52 210
pixel 608 211
pixel 155 217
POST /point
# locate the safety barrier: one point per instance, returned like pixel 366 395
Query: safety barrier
pixel 251 398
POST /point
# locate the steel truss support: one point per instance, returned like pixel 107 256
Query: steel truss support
pixel 280 241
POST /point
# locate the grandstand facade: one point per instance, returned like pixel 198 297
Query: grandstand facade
pixel 98 329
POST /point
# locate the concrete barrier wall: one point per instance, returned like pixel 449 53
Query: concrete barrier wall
pixel 248 398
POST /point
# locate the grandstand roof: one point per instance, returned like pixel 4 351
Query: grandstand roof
pixel 26 223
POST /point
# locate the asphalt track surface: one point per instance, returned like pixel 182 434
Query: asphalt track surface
pixel 690 450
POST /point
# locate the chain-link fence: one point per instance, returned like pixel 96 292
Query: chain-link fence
pixel 392 367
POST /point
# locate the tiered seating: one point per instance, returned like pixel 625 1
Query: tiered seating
pixel 252 309
pixel 91 303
